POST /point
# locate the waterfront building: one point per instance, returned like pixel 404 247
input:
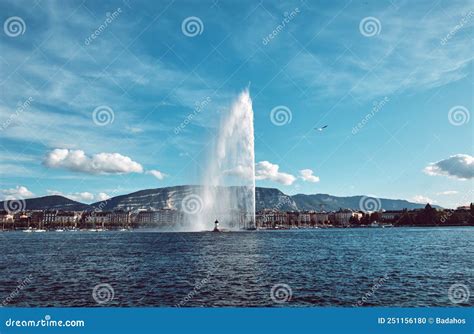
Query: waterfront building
pixel 293 218
pixel 304 219
pixel 343 216
pixel 120 218
pixel 320 218
pixel 269 218
pixel 145 218
pixel 49 218
pixel 96 219
pixel 22 220
pixel 390 216
pixel 165 217
pixel 67 219
pixel 6 220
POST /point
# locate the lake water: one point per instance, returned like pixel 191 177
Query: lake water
pixel 323 267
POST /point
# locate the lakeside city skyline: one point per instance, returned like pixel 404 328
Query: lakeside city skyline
pixel 161 87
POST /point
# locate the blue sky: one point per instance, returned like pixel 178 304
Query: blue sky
pixel 393 81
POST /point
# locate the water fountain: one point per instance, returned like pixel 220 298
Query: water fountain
pixel 228 193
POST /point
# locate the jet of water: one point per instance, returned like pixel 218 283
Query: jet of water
pixel 228 192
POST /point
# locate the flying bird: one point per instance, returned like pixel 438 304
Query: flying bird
pixel 321 128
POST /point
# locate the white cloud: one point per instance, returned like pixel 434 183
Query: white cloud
pixel 103 197
pixel 422 199
pixel 448 192
pixel 307 175
pixel 156 173
pixel 79 196
pixel 265 170
pixel 101 163
pixel 459 166
pixel 18 192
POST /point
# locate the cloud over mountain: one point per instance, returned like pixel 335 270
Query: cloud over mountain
pixel 460 166
pixel 265 170
pixel 101 163
pixel 307 175
pixel 16 193
pixel 156 173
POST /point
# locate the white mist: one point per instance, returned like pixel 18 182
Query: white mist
pixel 229 179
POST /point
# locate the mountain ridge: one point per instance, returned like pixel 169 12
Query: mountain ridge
pixel 265 198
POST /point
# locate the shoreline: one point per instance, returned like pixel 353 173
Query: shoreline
pixel 157 230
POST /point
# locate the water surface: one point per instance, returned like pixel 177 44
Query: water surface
pixel 323 267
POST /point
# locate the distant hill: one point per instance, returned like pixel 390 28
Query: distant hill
pixel 266 198
pixel 272 198
pixel 54 202
pixel 173 197
pixel 331 203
